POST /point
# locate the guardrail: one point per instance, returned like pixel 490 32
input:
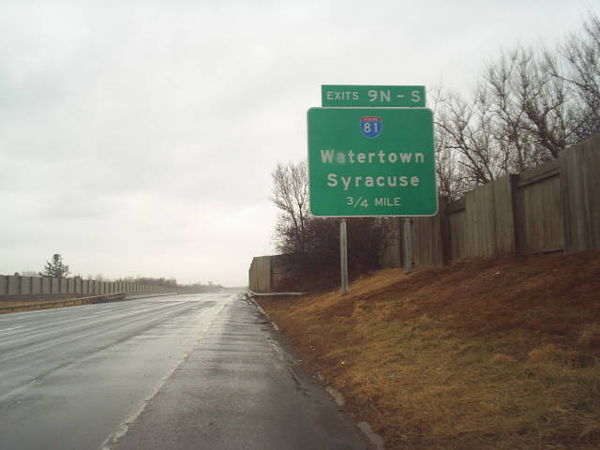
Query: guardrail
pixel 66 302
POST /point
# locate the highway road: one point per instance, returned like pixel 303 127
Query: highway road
pixel 201 371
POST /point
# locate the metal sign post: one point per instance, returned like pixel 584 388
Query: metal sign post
pixel 343 257
pixel 407 247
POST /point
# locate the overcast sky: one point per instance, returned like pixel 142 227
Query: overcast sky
pixel 138 137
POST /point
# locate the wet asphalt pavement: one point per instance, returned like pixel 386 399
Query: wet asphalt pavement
pixel 181 372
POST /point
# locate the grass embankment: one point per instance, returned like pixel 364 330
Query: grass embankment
pixel 476 355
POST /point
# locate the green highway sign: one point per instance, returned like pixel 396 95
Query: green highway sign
pixel 348 96
pixel 371 162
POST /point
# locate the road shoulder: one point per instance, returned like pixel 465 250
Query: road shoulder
pixel 239 388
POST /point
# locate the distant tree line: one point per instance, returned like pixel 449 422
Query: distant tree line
pixel 169 282
pixel 172 282
pixel 200 287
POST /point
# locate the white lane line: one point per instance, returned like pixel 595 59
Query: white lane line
pixel 103 312
pixel 13 328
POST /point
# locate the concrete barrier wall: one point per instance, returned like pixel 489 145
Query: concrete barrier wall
pixel 26 284
pixel 64 286
pixel 15 285
pixel 36 285
pixel 3 285
pixel 55 286
pixel 46 285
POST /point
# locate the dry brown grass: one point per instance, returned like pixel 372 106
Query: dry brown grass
pixel 478 355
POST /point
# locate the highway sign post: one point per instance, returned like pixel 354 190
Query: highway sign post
pixel 371 153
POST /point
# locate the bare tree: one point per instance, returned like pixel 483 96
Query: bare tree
pixel 466 128
pixel 532 114
pixel 290 195
pixel 507 108
pixel 544 101
pixel 529 106
pixel 578 65
pixel 311 244
pixel 450 180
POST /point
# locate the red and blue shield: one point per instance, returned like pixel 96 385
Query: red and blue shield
pixel 371 126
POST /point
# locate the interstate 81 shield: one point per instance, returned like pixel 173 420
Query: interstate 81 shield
pixel 371 126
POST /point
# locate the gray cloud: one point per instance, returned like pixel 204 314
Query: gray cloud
pixel 138 137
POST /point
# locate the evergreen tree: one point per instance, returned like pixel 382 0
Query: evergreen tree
pixel 56 267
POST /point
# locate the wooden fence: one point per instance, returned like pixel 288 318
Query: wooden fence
pixel 269 274
pixel 554 207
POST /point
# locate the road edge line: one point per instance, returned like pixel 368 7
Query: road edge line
pixel 365 428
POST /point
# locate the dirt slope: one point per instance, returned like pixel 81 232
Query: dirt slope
pixel 494 354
